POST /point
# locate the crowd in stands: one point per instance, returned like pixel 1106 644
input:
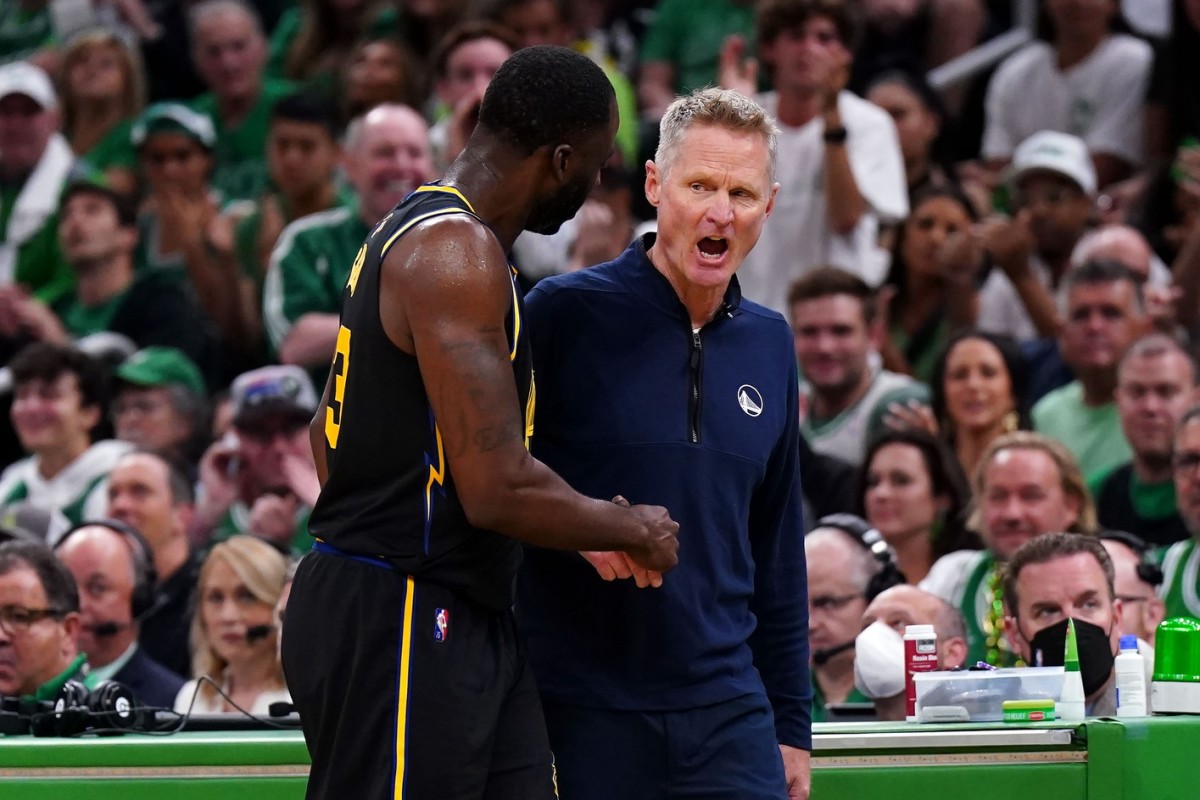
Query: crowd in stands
pixel 994 291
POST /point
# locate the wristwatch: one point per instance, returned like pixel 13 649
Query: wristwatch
pixel 835 135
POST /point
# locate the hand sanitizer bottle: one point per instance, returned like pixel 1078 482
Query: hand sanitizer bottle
pixel 1130 667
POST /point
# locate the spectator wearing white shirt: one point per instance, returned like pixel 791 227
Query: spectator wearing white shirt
pixel 1086 81
pixel 840 169
pixel 1053 186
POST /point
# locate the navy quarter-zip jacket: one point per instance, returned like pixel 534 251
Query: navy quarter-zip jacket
pixel 631 401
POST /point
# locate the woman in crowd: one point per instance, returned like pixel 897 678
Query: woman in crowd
pixel 101 84
pixel 313 41
pixel 175 153
pixel 912 490
pixel 916 110
pixel 977 391
pixel 233 630
pixel 932 280
pixel 379 71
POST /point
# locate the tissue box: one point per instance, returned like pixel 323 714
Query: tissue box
pixel 979 696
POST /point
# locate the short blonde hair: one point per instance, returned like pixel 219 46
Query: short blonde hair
pixel 722 108
pixel 263 570
pixel 1072 482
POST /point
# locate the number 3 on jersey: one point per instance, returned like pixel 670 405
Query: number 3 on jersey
pixel 341 368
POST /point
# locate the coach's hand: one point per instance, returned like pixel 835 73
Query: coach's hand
pixel 613 566
pixel 798 770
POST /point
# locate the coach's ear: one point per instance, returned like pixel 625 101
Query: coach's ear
pixel 653 183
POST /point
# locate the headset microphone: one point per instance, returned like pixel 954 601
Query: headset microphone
pixel 821 657
pixel 104 629
pixel 256 632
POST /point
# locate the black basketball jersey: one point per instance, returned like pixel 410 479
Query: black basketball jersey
pixel 388 492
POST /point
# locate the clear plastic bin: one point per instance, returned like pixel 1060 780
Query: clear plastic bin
pixel 978 696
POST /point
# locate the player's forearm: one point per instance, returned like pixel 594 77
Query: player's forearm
pixel 533 505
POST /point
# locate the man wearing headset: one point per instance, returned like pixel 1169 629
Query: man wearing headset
pixel 39 622
pixel 115 576
pixel 1136 580
pixel 848 564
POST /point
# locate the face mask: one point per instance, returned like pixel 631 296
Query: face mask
pixel 1048 647
pixel 879 661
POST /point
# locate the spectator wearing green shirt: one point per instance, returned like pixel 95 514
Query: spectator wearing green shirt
pixel 1180 589
pixel 26 28
pixel 387 156
pixel 35 162
pixel 180 236
pixel 682 45
pixel 97 236
pixel 40 649
pixel 302 156
pixel 1105 314
pixel 1155 384
pixel 230 53
pixel 303 153
pixel 102 91
pixel 174 147
pixel 314 39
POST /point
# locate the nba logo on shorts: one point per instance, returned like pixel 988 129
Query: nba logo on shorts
pixel 441 625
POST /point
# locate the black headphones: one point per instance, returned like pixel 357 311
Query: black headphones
pixel 872 541
pixel 109 708
pixel 145 584
pixel 1147 570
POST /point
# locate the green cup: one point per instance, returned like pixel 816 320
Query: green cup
pixel 1177 650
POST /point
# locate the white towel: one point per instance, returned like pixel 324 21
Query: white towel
pixel 37 200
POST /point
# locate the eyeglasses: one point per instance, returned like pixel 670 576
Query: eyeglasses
pixel 141 406
pixel 1186 461
pixel 832 602
pixel 18 619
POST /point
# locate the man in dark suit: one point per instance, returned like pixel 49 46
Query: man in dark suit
pixel 115 572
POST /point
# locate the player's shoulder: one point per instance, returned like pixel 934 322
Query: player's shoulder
pixel 450 238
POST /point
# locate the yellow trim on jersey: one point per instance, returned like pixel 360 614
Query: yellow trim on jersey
pixel 441 212
pixel 516 331
pixel 449 190
pixel 402 699
pixel 530 408
pixel 356 269
pixel 437 475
